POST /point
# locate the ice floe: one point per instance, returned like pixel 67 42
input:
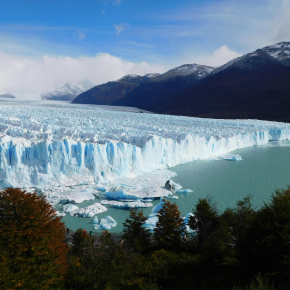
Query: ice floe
pixel 89 211
pixel 126 205
pixel 106 223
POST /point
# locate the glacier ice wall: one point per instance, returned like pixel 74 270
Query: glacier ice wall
pixel 42 145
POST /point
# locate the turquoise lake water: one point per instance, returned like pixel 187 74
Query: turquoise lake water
pixel 262 170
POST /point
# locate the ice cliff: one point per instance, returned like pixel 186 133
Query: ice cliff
pixel 42 145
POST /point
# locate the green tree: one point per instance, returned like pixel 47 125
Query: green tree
pixel 169 228
pixel 32 248
pixel 239 219
pixel 134 232
pixel 259 283
pixel 204 221
pixel 266 247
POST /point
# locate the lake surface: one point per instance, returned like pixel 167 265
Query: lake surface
pixel 263 170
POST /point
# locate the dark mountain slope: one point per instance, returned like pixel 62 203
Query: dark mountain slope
pixel 163 88
pixel 112 93
pixel 255 86
pixel 108 93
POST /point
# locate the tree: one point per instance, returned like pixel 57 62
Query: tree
pixel 266 247
pixel 32 248
pixel 134 232
pixel 259 283
pixel 169 228
pixel 204 221
pixel 239 219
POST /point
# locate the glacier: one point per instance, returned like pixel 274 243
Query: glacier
pixel 44 145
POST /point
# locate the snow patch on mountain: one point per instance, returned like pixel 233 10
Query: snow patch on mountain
pixel 280 51
pixel 68 92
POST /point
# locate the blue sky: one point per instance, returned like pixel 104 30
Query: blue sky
pixel 137 36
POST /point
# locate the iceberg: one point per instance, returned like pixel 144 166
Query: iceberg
pixel 59 214
pixel 232 157
pixel 151 221
pixel 45 145
pixel 106 223
pixel 89 211
pixel 70 208
pixel 99 188
pixel 135 194
pixel 126 205
pixel 64 196
pixel 184 191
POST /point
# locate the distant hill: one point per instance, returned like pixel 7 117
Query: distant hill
pixel 7 96
pixel 68 92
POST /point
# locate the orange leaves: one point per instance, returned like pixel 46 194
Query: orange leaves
pixel 32 238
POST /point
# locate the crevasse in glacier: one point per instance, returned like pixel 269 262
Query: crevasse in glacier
pixel 42 145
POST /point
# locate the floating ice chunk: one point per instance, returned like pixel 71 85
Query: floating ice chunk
pixel 99 188
pixel 184 191
pixel 70 208
pixel 174 197
pixel 137 194
pixel 157 207
pixel 90 210
pixel 106 223
pixel 120 195
pixel 186 220
pixel 81 196
pixel 171 185
pixel 59 214
pixel 232 157
pixel 151 221
pixel 134 204
pixel 52 199
pixel 95 221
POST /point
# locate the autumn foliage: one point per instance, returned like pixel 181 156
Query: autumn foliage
pixel 33 254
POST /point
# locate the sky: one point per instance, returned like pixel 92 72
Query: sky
pixel 47 43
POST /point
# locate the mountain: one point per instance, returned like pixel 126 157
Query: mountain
pixel 68 92
pixel 108 93
pixel 254 86
pixel 280 51
pixel 7 96
pixel 163 88
pixel 132 89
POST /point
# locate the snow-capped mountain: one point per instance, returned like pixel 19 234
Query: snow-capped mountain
pixel 137 79
pixel 199 71
pixel 280 51
pixel 248 61
pixel 68 92
pixel 115 93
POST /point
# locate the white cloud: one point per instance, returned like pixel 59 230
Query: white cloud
pixel 31 76
pixel 116 2
pixel 119 28
pixel 220 56
pixel 80 35
pixel 282 23
pixel 103 12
